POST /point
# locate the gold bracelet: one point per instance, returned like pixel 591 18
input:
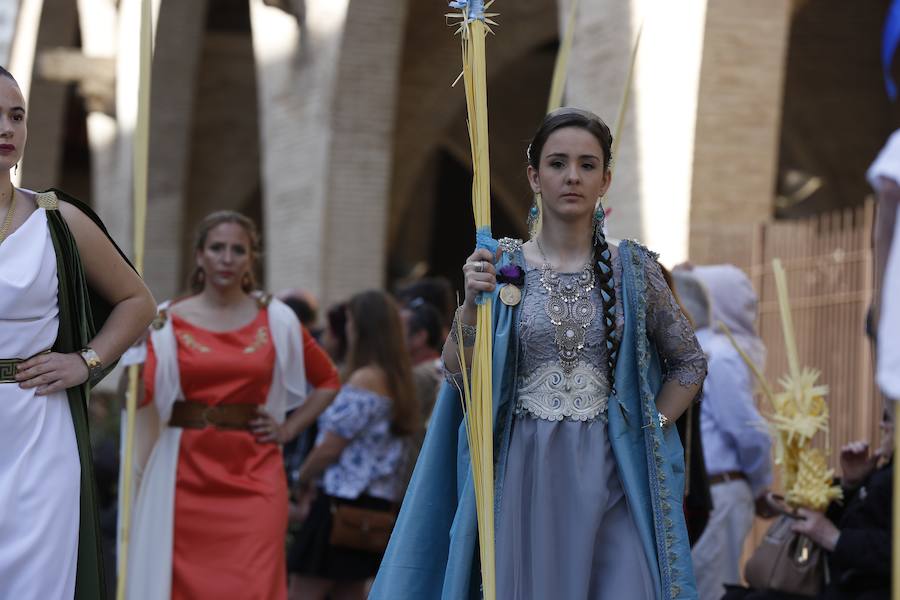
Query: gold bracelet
pixel 663 420
pixel 92 361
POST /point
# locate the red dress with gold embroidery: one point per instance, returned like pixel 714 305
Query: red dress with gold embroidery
pixel 231 497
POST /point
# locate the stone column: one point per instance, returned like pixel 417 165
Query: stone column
pixel 327 104
pixel 739 112
pixel 361 159
pixel 98 20
pixel 42 25
pixel 9 11
pixel 651 191
pixel 180 28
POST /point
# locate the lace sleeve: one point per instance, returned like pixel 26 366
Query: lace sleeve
pixel 671 332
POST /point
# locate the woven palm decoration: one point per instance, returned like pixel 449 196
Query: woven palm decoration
pixel 799 413
pixel 473 24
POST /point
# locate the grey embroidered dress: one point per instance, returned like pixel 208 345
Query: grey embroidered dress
pixel 564 529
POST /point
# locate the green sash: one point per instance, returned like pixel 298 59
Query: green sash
pixel 81 314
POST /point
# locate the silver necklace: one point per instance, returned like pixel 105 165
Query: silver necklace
pixel 570 309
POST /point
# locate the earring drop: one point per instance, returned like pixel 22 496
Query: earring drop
pixel 534 214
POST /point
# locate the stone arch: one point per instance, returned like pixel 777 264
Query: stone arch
pixel 48 99
pixel 341 158
pixel 836 114
pixel 431 138
pixel 327 88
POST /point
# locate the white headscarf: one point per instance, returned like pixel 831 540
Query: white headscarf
pixel 694 298
pixel 734 303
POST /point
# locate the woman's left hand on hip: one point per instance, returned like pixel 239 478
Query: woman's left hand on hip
pixel 266 429
pixel 52 372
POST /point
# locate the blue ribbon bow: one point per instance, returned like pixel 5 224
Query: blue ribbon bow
pixel 484 239
pixel 474 8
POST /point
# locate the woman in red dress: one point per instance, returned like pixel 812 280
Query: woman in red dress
pixel 222 368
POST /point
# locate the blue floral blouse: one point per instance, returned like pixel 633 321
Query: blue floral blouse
pixel 374 462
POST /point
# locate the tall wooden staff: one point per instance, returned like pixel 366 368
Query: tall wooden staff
pixel 141 151
pixel 474 24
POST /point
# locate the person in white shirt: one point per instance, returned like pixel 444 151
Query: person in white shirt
pixel 736 445
pixel 884 177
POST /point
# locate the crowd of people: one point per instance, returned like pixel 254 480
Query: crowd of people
pixel 280 455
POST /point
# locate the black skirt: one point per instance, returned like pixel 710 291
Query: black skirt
pixel 311 555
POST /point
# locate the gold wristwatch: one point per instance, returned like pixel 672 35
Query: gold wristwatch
pixel 94 365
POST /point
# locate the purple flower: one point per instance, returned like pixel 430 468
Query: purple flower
pixel 512 274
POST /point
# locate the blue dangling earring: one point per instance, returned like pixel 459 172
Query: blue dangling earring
pixel 534 215
pixel 599 222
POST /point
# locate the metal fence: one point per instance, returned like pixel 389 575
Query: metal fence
pixel 829 265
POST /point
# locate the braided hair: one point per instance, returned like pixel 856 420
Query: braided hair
pixel 583 119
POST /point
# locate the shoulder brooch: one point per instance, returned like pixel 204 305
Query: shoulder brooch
pixel 264 299
pixel 47 201
pixel 509 245
pixel 160 320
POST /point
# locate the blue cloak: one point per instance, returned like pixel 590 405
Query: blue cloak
pixel 432 553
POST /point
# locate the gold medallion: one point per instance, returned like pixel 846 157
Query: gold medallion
pixel 510 295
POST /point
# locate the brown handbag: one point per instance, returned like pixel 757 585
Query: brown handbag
pixel 358 528
pixel 786 561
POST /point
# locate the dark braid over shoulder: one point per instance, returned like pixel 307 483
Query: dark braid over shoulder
pixel 604 268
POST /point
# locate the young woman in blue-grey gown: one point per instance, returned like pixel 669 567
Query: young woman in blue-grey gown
pixel 593 360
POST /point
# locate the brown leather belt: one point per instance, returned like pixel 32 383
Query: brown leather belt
pixel 727 477
pixel 196 415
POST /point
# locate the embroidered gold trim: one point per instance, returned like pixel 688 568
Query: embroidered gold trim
pixel 9 368
pixel 47 201
pixel 262 338
pixel 189 341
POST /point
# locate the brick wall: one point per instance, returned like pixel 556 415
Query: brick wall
pixel 354 111
pixel 296 79
pixel 739 112
pixel 360 160
pixel 223 171
pixel 179 38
